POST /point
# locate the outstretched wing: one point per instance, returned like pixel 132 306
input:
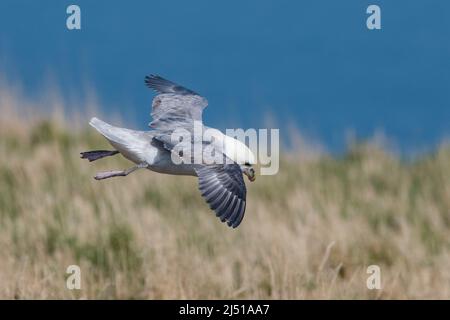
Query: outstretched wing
pixel 175 106
pixel 223 188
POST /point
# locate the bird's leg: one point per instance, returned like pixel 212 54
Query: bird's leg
pixel 97 154
pixel 118 173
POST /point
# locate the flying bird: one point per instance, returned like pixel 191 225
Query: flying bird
pixel 177 109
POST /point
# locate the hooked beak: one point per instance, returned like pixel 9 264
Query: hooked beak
pixel 250 173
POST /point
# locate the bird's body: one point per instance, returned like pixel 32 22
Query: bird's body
pixel 141 147
pixel 176 114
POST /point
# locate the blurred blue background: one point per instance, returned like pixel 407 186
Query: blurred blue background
pixel 309 64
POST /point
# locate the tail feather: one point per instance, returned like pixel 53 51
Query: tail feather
pixel 133 145
pixel 118 135
pixel 107 130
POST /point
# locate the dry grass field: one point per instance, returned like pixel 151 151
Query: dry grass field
pixel 309 232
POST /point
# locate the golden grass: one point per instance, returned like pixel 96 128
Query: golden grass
pixel 309 232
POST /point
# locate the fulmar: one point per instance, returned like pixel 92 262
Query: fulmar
pixel 177 113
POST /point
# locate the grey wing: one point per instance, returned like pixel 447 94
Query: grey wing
pixel 223 188
pixel 175 106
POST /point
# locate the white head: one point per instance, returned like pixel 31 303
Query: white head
pixel 241 154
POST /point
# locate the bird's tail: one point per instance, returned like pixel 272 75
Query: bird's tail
pixel 110 132
pixel 130 143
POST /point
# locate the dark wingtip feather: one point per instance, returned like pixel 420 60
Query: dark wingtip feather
pixel 240 217
pixel 161 85
pixel 150 81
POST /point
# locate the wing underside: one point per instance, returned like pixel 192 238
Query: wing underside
pixel 223 188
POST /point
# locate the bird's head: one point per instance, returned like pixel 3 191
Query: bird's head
pixel 248 170
pixel 239 153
